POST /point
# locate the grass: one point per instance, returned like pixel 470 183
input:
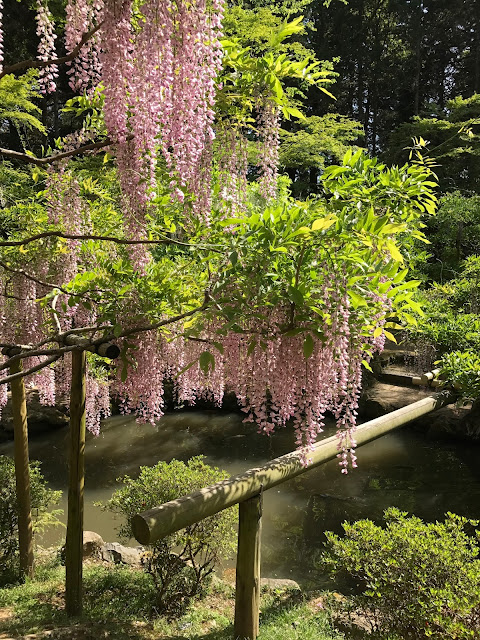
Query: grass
pixel 118 604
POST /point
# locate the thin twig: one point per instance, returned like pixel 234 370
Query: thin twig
pixel 151 327
pixel 42 283
pixel 31 353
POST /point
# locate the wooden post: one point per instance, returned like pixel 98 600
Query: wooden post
pixel 22 472
pixel 74 543
pixel 247 594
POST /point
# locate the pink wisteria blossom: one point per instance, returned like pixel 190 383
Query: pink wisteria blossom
pixel 81 17
pixel 46 48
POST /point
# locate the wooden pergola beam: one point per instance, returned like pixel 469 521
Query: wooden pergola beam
pixel 172 516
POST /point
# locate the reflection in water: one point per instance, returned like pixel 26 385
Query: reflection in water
pixel 402 469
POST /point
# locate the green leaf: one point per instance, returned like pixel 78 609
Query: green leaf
pixel 185 368
pixel 323 223
pixel 251 347
pixel 409 318
pixel 400 276
pixel 308 346
pixel 117 330
pixel 357 300
pixel 411 284
pixel 218 346
pixel 394 252
pixel 367 366
pixel 390 336
pixel 295 295
pixel 207 362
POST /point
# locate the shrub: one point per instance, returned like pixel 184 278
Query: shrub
pixel 417 580
pixel 462 369
pixel 180 564
pixel 42 498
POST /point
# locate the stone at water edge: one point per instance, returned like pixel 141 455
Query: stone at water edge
pixel 119 554
pixel 41 418
pixel 92 544
pixel 381 398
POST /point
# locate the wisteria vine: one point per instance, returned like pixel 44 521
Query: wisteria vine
pixel 159 64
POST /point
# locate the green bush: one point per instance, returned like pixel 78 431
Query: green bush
pixel 42 498
pixel 181 564
pixel 417 580
pixel 462 370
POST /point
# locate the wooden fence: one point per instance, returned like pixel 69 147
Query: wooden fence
pixel 247 490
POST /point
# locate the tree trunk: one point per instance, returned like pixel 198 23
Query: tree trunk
pixel 418 58
pixel 22 472
pixel 74 543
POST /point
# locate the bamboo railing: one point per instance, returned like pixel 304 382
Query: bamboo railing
pixel 246 489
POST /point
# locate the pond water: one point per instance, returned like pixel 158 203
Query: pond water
pixel 402 469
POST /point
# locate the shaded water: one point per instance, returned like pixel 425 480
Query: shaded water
pixel 401 469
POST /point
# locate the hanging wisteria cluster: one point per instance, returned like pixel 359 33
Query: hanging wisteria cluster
pixel 81 17
pixel 159 95
pixel 46 48
pixel 232 165
pixel 275 384
pixel 269 130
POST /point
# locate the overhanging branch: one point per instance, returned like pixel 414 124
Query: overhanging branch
pixel 42 162
pixel 87 236
pixel 86 344
pixel 41 64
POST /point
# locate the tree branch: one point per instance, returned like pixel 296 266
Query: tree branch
pixel 122 241
pixel 151 327
pixel 87 345
pixel 42 283
pixel 41 162
pixel 32 353
pixel 27 372
pixel 41 64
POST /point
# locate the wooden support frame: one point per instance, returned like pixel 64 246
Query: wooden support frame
pixel 74 543
pixel 161 521
pixel 22 472
pixel 246 490
pixel 247 591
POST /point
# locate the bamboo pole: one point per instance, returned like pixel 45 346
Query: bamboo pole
pixel 172 516
pixel 22 472
pixel 247 592
pixel 74 542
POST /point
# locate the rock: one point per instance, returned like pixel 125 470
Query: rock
pixel 455 423
pixel 119 554
pixel 381 399
pixel 92 544
pixel 279 583
pixel 40 418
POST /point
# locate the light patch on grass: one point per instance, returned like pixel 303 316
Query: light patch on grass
pixel 118 605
